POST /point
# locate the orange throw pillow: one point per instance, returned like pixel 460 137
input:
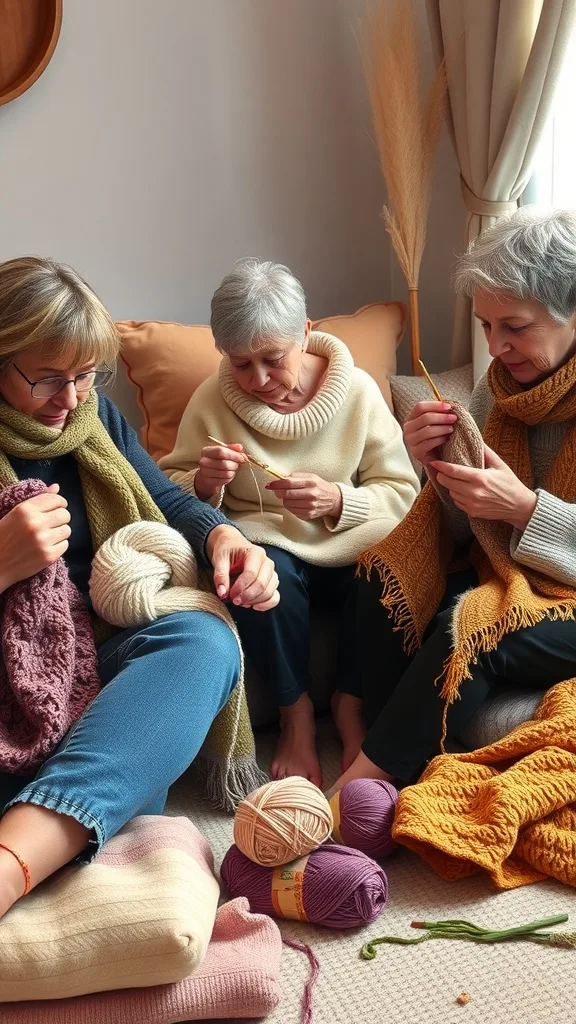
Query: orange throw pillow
pixel 167 361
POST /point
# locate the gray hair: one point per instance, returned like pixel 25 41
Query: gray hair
pixel 530 254
pixel 257 303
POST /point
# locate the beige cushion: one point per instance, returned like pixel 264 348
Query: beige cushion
pixel 456 385
pixel 140 914
pixel 167 361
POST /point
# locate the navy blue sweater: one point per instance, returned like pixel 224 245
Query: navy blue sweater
pixel 191 517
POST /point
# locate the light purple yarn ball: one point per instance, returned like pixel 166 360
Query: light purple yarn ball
pixel 342 888
pixel 367 808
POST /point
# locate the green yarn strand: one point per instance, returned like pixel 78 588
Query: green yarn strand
pixel 465 930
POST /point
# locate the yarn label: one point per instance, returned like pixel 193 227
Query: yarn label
pixel 335 808
pixel 288 889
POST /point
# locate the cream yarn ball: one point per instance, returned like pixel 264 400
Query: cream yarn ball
pixel 282 820
pixel 144 571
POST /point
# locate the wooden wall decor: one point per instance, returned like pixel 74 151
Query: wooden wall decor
pixel 29 31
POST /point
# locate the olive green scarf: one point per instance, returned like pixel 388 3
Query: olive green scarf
pixel 115 496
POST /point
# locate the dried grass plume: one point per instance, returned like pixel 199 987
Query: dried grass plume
pixel 407 123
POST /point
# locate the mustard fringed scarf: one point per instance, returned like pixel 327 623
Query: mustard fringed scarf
pixel 414 559
pixel 114 496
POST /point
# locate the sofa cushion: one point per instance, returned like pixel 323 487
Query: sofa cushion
pixel 167 361
pixel 456 385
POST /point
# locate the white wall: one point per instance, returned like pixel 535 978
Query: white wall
pixel 165 140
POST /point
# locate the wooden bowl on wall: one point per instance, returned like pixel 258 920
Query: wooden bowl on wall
pixel 29 31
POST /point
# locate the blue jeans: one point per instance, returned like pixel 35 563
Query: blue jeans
pixel 163 685
pixel 278 642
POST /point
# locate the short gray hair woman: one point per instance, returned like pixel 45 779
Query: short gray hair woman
pixel 521 275
pixel 293 398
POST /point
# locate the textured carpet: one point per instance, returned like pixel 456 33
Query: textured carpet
pixel 507 984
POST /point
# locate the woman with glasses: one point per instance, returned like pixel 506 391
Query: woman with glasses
pixel 163 684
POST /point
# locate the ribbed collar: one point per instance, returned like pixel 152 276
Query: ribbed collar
pixel 320 410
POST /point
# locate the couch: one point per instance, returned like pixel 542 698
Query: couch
pixel 166 361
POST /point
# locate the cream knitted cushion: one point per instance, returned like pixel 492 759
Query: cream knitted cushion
pixel 140 914
pixel 239 977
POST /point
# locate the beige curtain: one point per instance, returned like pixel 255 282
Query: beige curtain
pixel 502 63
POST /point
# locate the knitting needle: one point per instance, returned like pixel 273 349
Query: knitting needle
pixel 251 458
pixel 437 394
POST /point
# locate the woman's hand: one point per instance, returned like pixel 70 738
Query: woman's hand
pixel 427 429
pixel 218 467
pixel 256 583
pixel 491 493
pixel 308 496
pixel 33 535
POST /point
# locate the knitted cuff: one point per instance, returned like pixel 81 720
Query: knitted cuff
pixel 548 542
pixel 355 509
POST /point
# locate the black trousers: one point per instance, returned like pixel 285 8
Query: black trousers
pixel 278 642
pixel 402 702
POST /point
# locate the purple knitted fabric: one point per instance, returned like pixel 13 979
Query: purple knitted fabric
pixel 48 665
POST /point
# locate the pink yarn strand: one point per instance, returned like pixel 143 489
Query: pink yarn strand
pixel 307 999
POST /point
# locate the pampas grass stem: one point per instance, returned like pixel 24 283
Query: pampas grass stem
pixel 407 124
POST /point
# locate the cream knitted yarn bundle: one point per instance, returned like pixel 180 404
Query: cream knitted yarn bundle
pixel 147 570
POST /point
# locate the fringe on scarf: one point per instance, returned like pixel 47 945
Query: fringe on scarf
pixel 465 654
pixel 225 782
pixel 392 599
pixel 456 668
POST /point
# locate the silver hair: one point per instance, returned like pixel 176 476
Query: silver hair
pixel 530 254
pixel 258 303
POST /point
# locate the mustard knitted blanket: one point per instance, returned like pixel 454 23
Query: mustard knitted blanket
pixel 508 809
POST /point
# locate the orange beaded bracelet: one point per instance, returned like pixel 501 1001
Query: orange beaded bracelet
pixel 23 865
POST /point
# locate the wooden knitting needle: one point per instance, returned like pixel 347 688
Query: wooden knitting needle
pixel 437 394
pixel 251 458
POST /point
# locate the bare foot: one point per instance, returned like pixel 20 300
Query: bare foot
pixel 296 750
pixel 349 719
pixel 362 768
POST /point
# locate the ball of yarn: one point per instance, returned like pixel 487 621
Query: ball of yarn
pixel 338 887
pixel 143 571
pixel 363 812
pixel 282 820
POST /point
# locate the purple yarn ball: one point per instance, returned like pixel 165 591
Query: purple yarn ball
pixel 367 808
pixel 342 888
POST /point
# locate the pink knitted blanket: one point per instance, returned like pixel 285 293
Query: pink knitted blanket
pixel 48 664
pixel 239 978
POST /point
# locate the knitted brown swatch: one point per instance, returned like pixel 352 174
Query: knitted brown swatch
pixel 464 447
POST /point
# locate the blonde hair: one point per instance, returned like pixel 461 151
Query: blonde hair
pixel 46 303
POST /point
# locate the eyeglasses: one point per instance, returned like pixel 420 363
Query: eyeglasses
pixel 50 386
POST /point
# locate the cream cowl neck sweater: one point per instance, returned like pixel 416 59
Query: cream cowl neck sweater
pixel 346 434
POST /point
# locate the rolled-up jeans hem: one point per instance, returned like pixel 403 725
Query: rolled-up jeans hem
pixel 54 801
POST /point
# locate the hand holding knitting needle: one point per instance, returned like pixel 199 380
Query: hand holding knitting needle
pixel 218 466
pixel 427 428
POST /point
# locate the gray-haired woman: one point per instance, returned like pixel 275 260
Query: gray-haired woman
pixel 508 619
pixel 293 398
